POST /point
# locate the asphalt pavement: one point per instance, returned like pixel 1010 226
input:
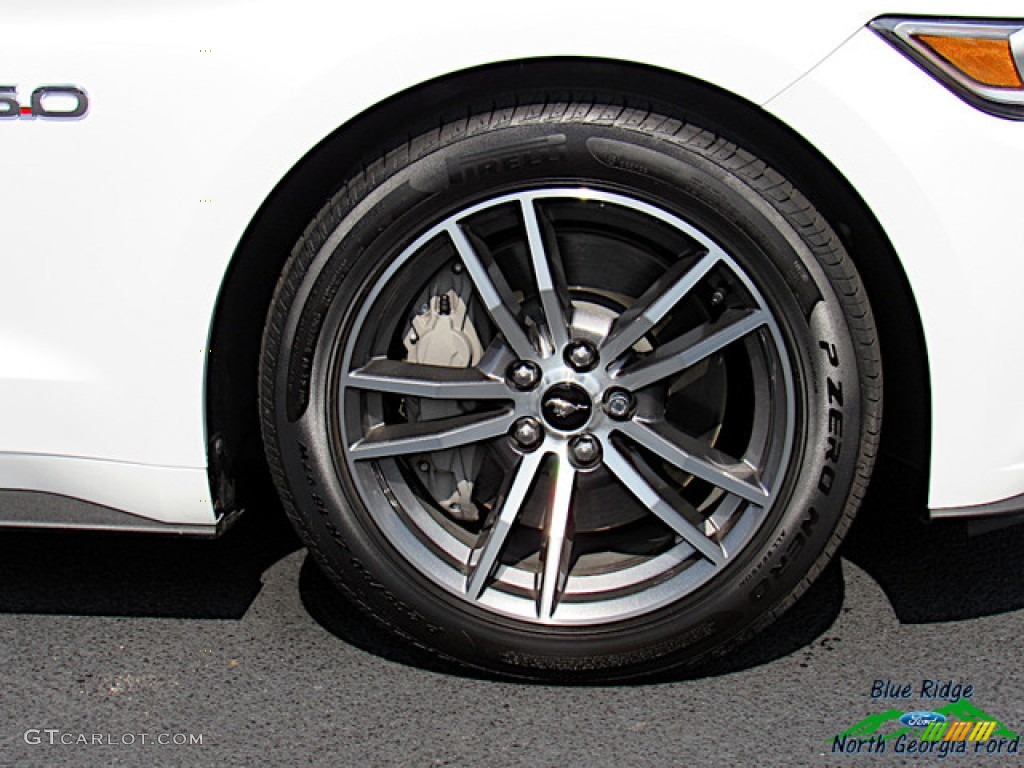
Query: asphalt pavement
pixel 134 650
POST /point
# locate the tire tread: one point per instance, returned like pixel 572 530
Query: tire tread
pixel 789 202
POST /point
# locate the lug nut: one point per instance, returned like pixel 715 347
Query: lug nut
pixel 527 433
pixel 524 375
pixel 581 355
pixel 619 404
pixel 585 450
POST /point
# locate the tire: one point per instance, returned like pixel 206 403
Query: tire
pixel 570 391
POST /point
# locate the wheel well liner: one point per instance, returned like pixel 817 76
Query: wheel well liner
pixel 232 420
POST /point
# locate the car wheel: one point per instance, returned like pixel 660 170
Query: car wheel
pixel 570 391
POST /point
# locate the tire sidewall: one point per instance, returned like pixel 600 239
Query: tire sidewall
pixel 360 230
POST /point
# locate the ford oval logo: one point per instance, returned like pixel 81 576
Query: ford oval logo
pixel 921 719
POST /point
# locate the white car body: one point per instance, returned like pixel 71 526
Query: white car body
pixel 119 227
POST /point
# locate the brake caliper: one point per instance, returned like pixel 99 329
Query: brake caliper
pixel 442 333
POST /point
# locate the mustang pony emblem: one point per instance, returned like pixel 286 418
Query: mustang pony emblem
pixel 562 407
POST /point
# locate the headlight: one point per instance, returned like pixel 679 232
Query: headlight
pixel 981 61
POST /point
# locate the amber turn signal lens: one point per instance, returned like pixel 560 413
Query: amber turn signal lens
pixel 980 60
pixel 985 60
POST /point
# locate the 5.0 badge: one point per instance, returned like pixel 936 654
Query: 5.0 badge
pixel 48 101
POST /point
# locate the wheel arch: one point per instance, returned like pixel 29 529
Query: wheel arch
pixel 236 464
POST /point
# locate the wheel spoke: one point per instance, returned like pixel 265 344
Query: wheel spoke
pixel 656 302
pixel 620 435
pixel 692 456
pixel 656 502
pixel 548 272
pixel 690 348
pixel 557 547
pixel 494 292
pixel 484 557
pixel 433 381
pixel 436 435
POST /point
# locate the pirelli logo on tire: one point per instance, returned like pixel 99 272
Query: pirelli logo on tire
pixel 546 151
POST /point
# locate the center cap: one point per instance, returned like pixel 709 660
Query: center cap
pixel 566 407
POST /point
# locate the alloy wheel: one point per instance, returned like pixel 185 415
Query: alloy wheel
pixel 565 406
